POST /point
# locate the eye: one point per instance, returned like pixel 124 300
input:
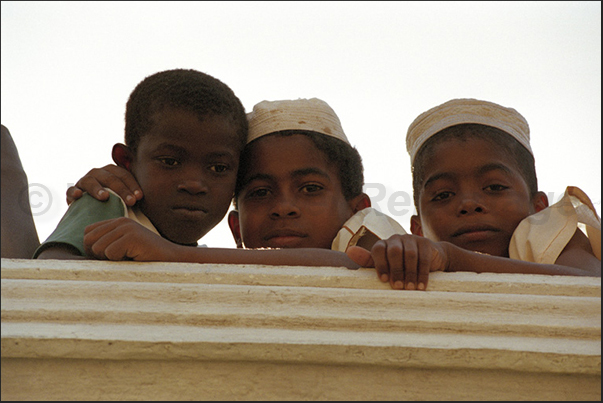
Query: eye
pixel 311 188
pixel 219 168
pixel 258 193
pixel 169 161
pixel 496 188
pixel 442 196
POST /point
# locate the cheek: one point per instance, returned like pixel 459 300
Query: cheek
pixel 250 220
pixel 513 211
pixel 250 234
pixel 150 180
pixel 222 196
pixel 433 226
pixel 429 232
pixel 328 225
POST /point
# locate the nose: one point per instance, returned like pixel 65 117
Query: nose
pixel 193 183
pixel 471 204
pixel 284 207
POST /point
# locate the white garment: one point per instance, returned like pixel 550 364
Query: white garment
pixel 541 237
pixel 365 228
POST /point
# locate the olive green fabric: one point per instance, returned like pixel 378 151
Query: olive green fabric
pixel 82 212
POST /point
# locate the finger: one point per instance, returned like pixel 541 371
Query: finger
pixel 91 227
pixel 426 254
pixel 410 263
pixel 379 256
pixel 113 177
pixel 116 249
pixel 89 183
pixel 73 193
pixel 92 234
pixel 360 256
pixel 101 234
pixel 395 254
pixel 123 178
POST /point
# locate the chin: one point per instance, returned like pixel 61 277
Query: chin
pixel 179 239
pixel 186 242
pixel 490 251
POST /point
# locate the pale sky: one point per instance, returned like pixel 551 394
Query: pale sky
pixel 69 67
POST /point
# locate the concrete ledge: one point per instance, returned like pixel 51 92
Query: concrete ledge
pixel 170 331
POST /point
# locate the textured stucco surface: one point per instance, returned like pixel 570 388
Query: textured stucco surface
pixel 166 331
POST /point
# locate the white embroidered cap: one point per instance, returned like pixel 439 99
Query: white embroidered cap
pixel 459 111
pixel 299 114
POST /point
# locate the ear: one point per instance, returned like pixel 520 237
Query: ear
pixel 235 229
pixel 122 155
pixel 540 201
pixel 359 202
pixel 415 225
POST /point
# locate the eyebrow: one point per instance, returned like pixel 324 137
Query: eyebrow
pixel 295 174
pixel 441 175
pixel 494 167
pixel 481 171
pixel 169 146
pixel 310 171
pixel 180 149
pixel 259 176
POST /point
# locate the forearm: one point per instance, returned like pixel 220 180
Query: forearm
pixel 61 252
pixel 277 257
pixel 464 260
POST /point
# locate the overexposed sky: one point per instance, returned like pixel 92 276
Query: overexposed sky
pixel 69 67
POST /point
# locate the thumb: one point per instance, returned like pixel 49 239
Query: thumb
pixel 360 256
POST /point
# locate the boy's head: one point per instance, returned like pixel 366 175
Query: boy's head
pixel 474 176
pixel 183 137
pixel 299 178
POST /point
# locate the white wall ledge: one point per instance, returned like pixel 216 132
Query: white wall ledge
pixel 293 333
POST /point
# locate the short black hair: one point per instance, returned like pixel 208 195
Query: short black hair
pixel 507 144
pixel 184 89
pixel 345 157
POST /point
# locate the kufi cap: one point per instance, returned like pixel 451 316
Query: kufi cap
pixel 460 111
pixel 300 114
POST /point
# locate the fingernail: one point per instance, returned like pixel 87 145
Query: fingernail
pixel 137 193
pixel 102 192
pixel 410 286
pixel 399 285
pixel 421 286
pixel 130 199
pixel 384 278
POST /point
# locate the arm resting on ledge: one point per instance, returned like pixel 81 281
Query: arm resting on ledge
pixel 124 239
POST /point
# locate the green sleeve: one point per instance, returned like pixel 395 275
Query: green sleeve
pixel 81 213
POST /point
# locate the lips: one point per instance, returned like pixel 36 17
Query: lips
pixel 475 232
pixel 192 211
pixel 284 238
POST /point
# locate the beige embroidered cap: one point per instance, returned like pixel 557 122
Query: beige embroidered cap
pixel 459 111
pixel 299 114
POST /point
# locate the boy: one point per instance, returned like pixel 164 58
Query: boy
pixel 299 186
pixel 300 183
pixel 184 132
pixel 478 204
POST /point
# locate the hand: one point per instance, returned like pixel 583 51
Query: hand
pixel 113 177
pixel 125 239
pixel 403 260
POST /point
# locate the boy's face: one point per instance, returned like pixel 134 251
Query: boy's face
pixel 291 197
pixel 473 196
pixel 187 171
